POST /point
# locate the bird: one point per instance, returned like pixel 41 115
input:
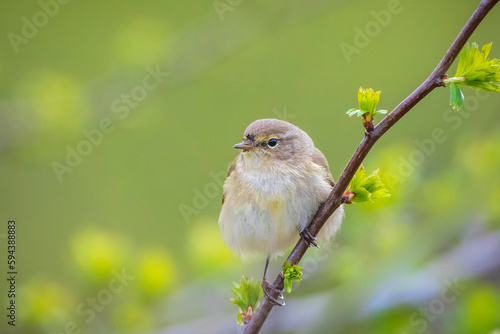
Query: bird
pixel 272 190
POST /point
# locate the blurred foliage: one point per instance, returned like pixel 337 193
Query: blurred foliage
pixel 206 250
pixel 103 284
pixel 96 254
pixel 156 273
pixel 119 206
pixel 46 303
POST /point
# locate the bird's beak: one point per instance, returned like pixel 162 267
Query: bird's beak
pixel 245 145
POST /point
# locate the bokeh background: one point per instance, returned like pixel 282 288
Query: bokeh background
pixel 123 237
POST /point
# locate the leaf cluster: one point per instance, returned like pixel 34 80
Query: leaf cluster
pixel 247 298
pixel 474 70
pixel 366 188
pixel 291 272
pixel 368 100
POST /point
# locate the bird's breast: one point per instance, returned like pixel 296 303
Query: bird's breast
pixel 268 185
pixel 264 211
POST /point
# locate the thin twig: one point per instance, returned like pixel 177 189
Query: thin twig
pixel 334 199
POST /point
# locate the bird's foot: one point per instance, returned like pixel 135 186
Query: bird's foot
pixel 269 290
pixel 308 238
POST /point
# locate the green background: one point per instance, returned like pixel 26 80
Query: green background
pixel 120 207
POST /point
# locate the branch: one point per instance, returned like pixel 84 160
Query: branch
pixel 334 199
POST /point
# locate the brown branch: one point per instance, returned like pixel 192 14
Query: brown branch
pixel 334 199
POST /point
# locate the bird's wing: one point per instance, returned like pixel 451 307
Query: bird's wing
pixel 319 159
pixel 231 168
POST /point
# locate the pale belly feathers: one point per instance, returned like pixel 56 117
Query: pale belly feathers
pixel 264 212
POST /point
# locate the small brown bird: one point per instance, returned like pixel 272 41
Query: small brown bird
pixel 272 190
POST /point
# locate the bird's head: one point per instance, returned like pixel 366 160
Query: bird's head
pixel 270 143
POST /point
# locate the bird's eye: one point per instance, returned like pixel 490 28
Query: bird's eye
pixel 273 142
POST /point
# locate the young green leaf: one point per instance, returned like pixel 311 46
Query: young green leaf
pixel 291 273
pixel 479 71
pixel 368 99
pixel 456 96
pixel 357 112
pixel 361 195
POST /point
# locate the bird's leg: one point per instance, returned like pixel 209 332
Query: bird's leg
pixel 308 238
pixel 269 290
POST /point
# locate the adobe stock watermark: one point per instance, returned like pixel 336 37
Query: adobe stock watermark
pixel 311 263
pixel 223 6
pixel 283 114
pixel 88 309
pixel 122 107
pixel 371 29
pixel 427 146
pixel 30 26
pixel 203 196
pixel 419 321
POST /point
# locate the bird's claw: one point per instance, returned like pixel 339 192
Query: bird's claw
pixel 308 238
pixel 269 290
